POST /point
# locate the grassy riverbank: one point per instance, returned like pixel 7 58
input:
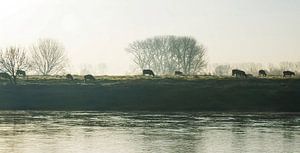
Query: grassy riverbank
pixel 195 93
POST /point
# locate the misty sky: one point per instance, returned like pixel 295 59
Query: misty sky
pixel 96 32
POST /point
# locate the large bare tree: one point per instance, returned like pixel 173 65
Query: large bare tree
pixel 48 57
pixel 166 54
pixel 13 59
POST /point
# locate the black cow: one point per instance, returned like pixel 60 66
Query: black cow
pixel 262 73
pixel 21 73
pixel 5 76
pixel 178 73
pixel 148 72
pixel 69 77
pixel 89 77
pixel 239 73
pixel 288 73
pixel 249 76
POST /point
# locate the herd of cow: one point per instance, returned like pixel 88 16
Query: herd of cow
pixel 263 73
pixel 235 72
pixel 20 73
pixel 85 77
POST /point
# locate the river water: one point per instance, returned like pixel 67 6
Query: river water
pixel 148 132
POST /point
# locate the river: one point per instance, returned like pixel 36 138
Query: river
pixel 148 132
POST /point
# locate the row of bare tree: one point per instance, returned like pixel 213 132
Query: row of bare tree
pixel 45 57
pixel 166 54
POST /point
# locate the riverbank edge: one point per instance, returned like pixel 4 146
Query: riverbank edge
pixel 263 95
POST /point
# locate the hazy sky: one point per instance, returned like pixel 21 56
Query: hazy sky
pixel 97 31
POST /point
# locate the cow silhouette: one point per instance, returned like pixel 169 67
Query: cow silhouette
pixel 89 77
pixel 178 73
pixel 288 73
pixel 69 77
pixel 5 76
pixel 148 72
pixel 249 76
pixel 262 73
pixel 21 73
pixel 238 73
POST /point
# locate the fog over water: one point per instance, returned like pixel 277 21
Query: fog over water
pixel 96 32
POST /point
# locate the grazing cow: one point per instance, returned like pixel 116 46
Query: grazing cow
pixel 21 73
pixel 249 75
pixel 288 73
pixel 238 73
pixel 89 77
pixel 5 76
pixel 69 77
pixel 262 73
pixel 178 73
pixel 148 72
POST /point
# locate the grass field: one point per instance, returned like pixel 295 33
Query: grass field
pixel 140 93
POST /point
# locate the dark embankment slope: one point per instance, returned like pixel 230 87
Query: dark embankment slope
pixel 158 95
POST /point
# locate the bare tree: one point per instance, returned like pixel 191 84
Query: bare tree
pixel 166 54
pixel 287 66
pixel 100 68
pixel 48 57
pixel 13 59
pixel 274 69
pixel 222 70
pixel 86 69
pixel 189 55
pixel 141 53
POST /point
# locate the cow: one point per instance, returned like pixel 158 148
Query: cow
pixel 288 73
pixel 5 76
pixel 148 72
pixel 21 73
pixel 178 73
pixel 249 76
pixel 238 73
pixel 89 77
pixel 262 73
pixel 69 77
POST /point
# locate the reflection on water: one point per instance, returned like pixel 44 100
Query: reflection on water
pixel 144 132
